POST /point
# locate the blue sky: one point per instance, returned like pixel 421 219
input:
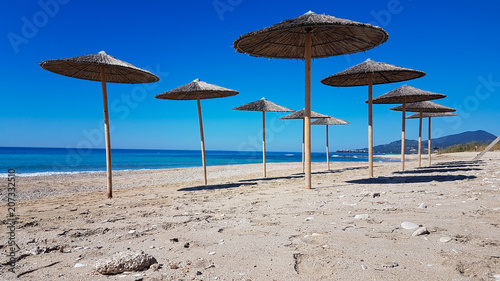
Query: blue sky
pixel 456 43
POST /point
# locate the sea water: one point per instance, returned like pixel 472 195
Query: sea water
pixel 46 161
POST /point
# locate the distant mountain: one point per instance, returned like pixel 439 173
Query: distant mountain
pixel 411 146
pixel 479 136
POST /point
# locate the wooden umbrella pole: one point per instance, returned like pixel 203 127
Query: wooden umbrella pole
pixel 403 137
pixel 327 150
pixel 307 118
pixel 202 140
pixel 420 141
pixel 429 141
pixel 370 124
pixel 303 146
pixel 264 141
pixel 106 133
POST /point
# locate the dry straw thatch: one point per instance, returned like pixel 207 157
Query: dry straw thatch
pixel 104 68
pixel 383 73
pixel 431 114
pixel 406 94
pixel 197 87
pixel 198 90
pixel 431 110
pixel 369 73
pixel 331 36
pixel 329 121
pixel 300 114
pixel 263 105
pixel 424 106
pixel 88 67
pixel 306 37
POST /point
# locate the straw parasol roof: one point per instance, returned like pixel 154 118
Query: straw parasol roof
pixel 421 107
pixel 191 90
pixel 300 114
pixel 329 121
pixel 331 36
pixel 383 73
pixel 431 114
pixel 198 90
pixel 306 37
pixel 423 114
pixel 369 73
pixel 88 67
pixel 424 106
pixel 406 94
pixel 104 68
pixel 263 105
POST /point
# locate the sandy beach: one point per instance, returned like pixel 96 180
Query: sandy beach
pixel 245 227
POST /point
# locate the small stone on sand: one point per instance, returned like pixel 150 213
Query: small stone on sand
pixel 362 217
pixel 409 225
pixel 420 231
pixel 445 239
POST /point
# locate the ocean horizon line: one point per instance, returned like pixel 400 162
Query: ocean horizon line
pixel 171 149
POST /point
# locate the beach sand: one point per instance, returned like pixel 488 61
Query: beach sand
pixel 244 227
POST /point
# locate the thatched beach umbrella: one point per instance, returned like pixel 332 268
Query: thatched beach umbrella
pixel 198 90
pixel 405 94
pixel 328 121
pixel 310 36
pixel 301 114
pixel 423 107
pixel 105 68
pixel 371 73
pixel 430 115
pixel 263 105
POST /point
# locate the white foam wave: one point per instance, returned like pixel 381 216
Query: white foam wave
pixel 47 174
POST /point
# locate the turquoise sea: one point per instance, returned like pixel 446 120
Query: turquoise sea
pixel 47 161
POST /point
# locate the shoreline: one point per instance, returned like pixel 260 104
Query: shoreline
pixel 47 185
pixel 56 173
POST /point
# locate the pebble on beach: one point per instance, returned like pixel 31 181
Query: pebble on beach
pixel 124 261
pixel 409 225
pixel 362 217
pixel 445 239
pixel 420 231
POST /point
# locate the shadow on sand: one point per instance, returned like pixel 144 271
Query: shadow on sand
pixel 294 176
pixel 340 170
pixel 435 170
pixel 215 186
pixel 301 175
pixel 411 179
pixel 457 164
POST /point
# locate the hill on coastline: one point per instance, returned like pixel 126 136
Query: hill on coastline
pixel 411 146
